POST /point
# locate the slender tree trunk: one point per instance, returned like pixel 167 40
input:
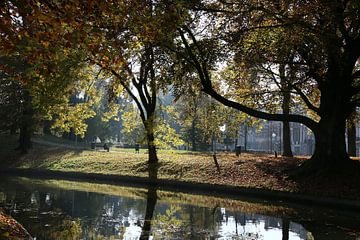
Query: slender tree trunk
pixel 286 111
pixel 351 139
pixel 193 137
pixel 287 140
pixel 153 159
pixel 150 207
pixel 26 125
pixel 245 136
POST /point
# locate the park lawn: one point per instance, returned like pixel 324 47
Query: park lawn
pixel 262 171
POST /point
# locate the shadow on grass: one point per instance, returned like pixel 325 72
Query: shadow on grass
pixel 339 184
pixel 44 157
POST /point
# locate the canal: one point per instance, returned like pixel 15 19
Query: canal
pixel 63 209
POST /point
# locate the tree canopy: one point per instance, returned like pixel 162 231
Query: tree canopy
pixel 248 55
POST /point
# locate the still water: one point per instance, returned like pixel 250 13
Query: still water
pixel 59 209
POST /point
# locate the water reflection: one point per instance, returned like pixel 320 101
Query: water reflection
pixel 69 210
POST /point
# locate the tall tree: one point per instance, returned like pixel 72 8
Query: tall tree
pixel 325 37
pixel 45 74
pixel 122 38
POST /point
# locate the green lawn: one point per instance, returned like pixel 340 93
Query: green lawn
pixel 173 164
pixel 262 171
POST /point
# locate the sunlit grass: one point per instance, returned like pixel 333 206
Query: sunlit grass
pixel 246 171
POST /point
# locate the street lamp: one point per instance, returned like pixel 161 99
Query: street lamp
pixel 222 130
pixel 273 135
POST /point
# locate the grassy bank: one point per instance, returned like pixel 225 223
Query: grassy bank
pixel 249 170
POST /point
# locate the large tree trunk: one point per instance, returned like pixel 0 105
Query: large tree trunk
pixel 153 159
pixel 330 148
pixel 150 207
pixel 351 139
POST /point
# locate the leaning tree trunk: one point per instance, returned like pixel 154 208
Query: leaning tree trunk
pixel 351 139
pixel 153 159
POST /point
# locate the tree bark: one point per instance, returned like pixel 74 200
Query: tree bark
pixel 351 139
pixel 245 136
pixel 286 111
pixel 153 159
pixel 287 152
pixel 26 125
pixel 330 148
pixel 193 138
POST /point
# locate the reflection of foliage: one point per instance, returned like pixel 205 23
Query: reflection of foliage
pixel 69 229
pixel 95 236
pixel 169 223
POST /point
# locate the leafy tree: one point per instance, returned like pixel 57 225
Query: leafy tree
pixel 47 75
pixel 122 38
pixel 10 106
pixel 325 37
pixel 166 136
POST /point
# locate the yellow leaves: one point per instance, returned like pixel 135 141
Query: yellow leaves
pixel 166 136
pixel 73 117
pixel 111 113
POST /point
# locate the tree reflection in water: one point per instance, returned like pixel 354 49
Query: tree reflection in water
pixel 150 208
pixel 50 212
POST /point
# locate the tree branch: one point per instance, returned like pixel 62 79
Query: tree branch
pixel 306 100
pixel 208 89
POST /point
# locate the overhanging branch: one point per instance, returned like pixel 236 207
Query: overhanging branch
pixel 208 89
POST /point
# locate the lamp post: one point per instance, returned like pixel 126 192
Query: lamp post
pixel 222 130
pixel 273 137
